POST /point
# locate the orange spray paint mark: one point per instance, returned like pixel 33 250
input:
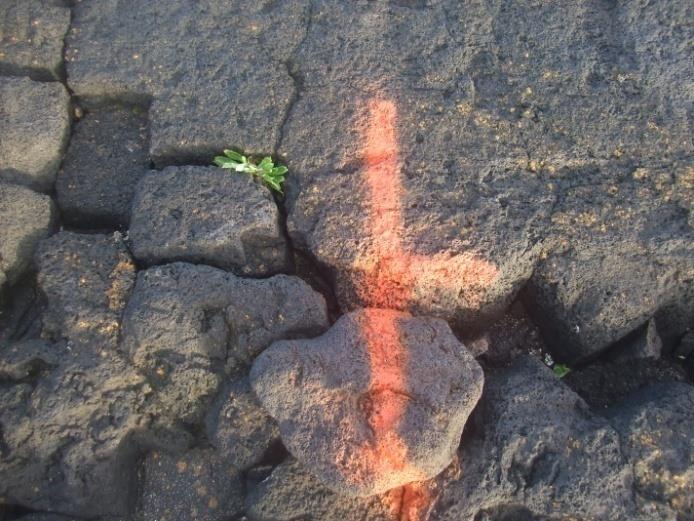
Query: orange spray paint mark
pixel 392 278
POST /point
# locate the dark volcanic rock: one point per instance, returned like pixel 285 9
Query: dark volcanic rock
pixel 87 280
pixel 194 485
pixel 25 218
pixel 378 401
pixel 602 384
pixel 68 436
pixel 184 322
pixel 619 252
pixel 107 156
pixel 291 492
pixel 209 216
pixel 35 125
pixel 213 84
pixel 656 426
pixel 534 444
pixel 31 38
pixel 238 427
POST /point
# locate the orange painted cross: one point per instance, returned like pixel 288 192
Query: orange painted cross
pixel 392 277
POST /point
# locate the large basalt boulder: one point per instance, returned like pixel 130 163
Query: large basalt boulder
pixel 209 216
pixel 378 401
pixel 25 219
pixel 535 449
pixel 35 128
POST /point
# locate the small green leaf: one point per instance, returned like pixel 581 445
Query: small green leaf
pixel 223 162
pixel 561 370
pixel 271 175
pixel 231 154
pixel 266 164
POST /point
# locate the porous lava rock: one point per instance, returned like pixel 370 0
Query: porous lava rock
pixel 207 215
pixel 535 444
pixel 69 429
pixel 378 401
pixel 32 34
pixel 35 126
pixel 25 218
pixel 187 325
pixel 201 73
pixel 106 157
pixel 87 279
pixel 292 492
pixel 238 427
pixel 194 485
pixel 655 426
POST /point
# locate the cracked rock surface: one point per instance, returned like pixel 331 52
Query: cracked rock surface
pixel 25 218
pixel 205 215
pixel 490 192
pixel 35 126
pixel 378 401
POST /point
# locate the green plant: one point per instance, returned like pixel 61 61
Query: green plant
pixel 266 171
pixel 561 370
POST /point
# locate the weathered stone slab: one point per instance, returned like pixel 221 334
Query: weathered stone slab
pixel 35 127
pixel 32 35
pixel 537 450
pixel 655 427
pixel 214 71
pixel 69 431
pixel 107 156
pixel 25 218
pixel 618 253
pixel 194 485
pixel 208 216
pixel 378 401
pixel 184 323
pixel 87 280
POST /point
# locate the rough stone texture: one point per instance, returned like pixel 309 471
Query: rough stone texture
pixel 31 38
pixel 183 323
pixel 603 384
pixel 291 492
pixel 107 156
pixel 534 444
pixel 68 430
pixel 620 252
pixel 214 71
pixel 378 401
pixel 238 427
pixel 656 427
pixel 209 216
pixel 25 219
pixel 194 485
pixel 35 126
pixel 532 139
pixel 87 280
